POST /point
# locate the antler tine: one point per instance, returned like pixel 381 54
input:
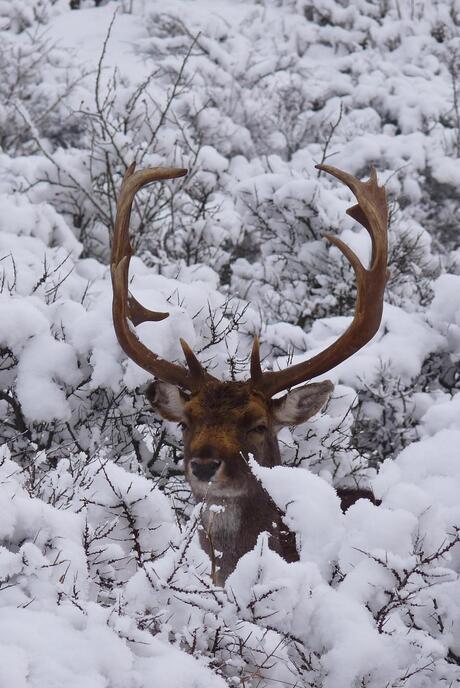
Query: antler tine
pixel 371 211
pixel 256 368
pixel 125 307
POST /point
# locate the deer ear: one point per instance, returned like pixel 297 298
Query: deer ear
pixel 167 399
pixel 302 403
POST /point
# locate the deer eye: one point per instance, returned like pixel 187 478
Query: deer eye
pixel 183 426
pixel 260 428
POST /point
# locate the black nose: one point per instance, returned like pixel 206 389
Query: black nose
pixel 204 470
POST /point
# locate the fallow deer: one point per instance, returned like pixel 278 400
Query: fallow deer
pixel 223 422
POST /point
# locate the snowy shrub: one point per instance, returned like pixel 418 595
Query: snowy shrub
pixel 18 16
pixel 40 86
pixel 102 580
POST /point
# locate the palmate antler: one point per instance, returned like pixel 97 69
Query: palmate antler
pixel 126 308
pixel 371 211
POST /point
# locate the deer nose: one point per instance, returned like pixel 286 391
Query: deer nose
pixel 204 470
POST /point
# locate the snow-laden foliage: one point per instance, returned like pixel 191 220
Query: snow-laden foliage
pixel 102 581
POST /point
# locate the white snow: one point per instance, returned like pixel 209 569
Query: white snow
pixel 102 580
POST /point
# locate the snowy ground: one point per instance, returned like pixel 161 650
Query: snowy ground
pixel 102 581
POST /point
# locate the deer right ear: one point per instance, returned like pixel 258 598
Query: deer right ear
pixel 168 400
pixel 301 403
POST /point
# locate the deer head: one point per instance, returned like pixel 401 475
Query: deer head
pixel 223 422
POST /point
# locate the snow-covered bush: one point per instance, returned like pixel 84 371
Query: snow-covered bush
pixel 41 84
pixel 102 581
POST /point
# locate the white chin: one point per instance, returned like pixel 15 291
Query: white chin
pixel 224 491
pixel 203 490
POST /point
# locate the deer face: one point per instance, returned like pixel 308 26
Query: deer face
pixel 224 422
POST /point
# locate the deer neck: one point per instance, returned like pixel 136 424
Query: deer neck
pixel 231 526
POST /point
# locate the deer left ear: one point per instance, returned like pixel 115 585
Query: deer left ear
pixel 301 404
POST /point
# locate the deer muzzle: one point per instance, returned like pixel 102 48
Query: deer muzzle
pixel 204 469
